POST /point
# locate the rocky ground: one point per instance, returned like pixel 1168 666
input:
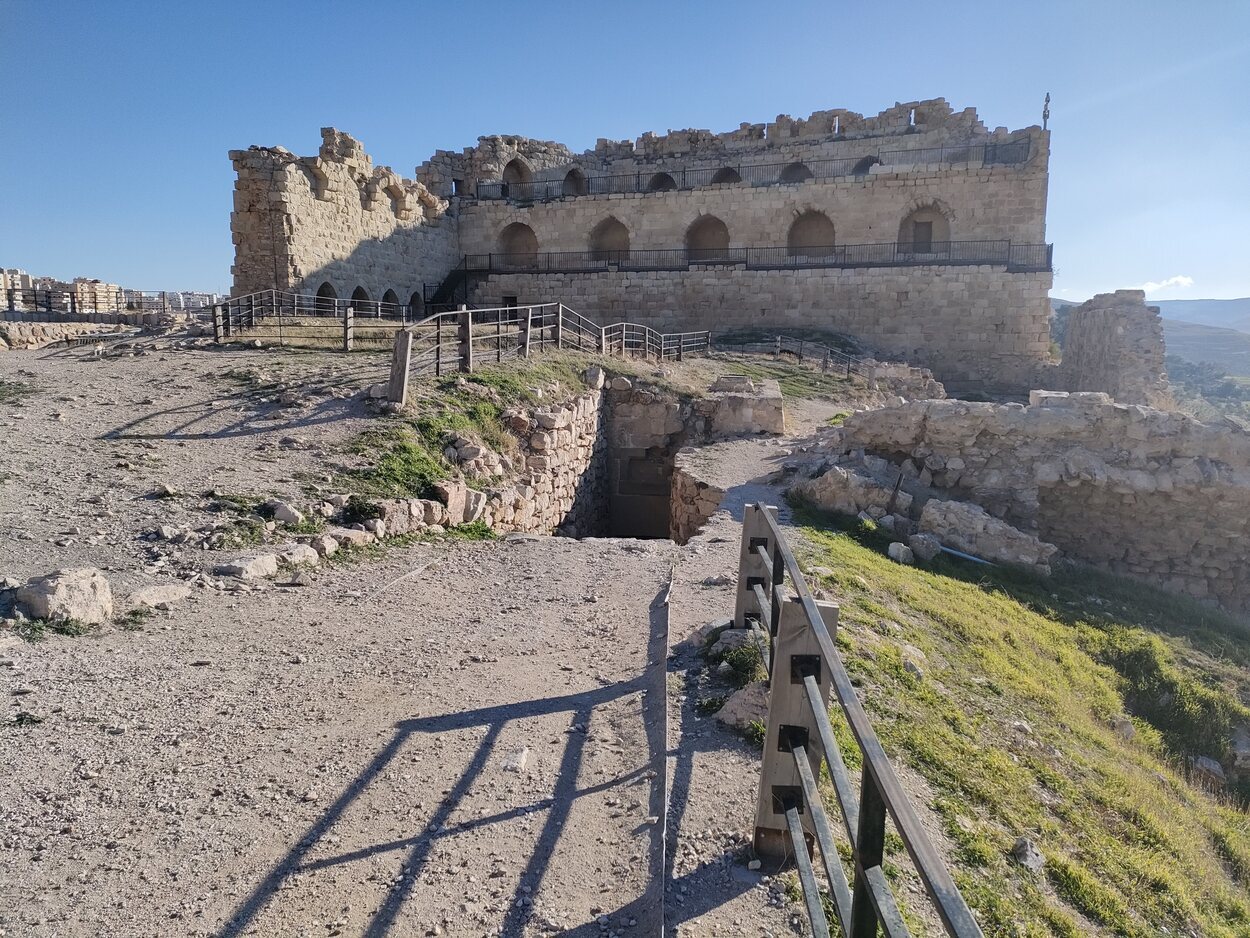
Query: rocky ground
pixel 446 738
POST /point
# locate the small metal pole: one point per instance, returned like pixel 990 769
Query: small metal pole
pixel 529 325
pixel 466 339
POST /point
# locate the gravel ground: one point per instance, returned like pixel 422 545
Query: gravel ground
pixel 333 759
pixel 338 759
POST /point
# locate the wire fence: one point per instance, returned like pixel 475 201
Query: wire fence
pixel 795 635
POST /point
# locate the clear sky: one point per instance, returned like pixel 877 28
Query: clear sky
pixel 116 115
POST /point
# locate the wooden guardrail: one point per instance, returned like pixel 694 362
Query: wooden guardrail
pixel 795 634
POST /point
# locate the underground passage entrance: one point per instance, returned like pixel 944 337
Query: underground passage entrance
pixel 639 494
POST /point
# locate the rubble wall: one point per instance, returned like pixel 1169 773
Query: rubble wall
pixel 1115 344
pixel 301 222
pixel 1149 493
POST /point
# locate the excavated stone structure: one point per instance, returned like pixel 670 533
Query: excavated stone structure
pixel 1149 493
pixel 1115 345
pixel 916 230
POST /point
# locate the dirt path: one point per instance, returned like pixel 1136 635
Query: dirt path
pixel 714 775
pixel 334 760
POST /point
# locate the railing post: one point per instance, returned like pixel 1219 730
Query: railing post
pixel 217 326
pixel 349 328
pixel 603 340
pixel 795 655
pixel 755 533
pixel 225 322
pixel 528 325
pixel 560 325
pixel 401 360
pixel 868 852
pixel 466 339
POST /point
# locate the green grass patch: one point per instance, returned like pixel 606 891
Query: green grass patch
pixel 1011 729
pixel 134 619
pixel 36 630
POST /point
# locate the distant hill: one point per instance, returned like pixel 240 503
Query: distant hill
pixel 1196 342
pixel 1216 331
pixel 1226 314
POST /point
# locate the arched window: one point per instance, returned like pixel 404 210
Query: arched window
pixel 926 230
pixel 609 241
pixel 574 183
pixel 707 240
pixel 811 235
pixel 519 246
pixel 390 303
pixel 361 302
pixel 795 172
pixel 661 182
pixel 326 299
pixel 517 172
pixel 863 166
pixel 725 176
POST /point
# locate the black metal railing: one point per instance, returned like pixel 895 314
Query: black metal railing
pixel 660 178
pixel 1015 257
pixel 795 634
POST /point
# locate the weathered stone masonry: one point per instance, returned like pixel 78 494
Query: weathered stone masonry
pixel 338 224
pixel 1149 493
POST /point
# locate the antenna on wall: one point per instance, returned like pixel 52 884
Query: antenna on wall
pixel 1046 111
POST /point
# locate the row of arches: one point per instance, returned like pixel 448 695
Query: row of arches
pixel 390 303
pixel 517 173
pixel 811 234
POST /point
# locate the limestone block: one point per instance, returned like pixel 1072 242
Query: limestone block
pixel 81 594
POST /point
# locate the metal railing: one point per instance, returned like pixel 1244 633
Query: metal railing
pixel 795 635
pixel 1014 257
pixel 660 178
pixel 461 340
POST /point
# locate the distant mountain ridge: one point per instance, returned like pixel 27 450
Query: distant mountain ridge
pixel 1226 314
pixel 1216 331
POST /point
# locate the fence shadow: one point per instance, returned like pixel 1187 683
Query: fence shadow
pixel 417 848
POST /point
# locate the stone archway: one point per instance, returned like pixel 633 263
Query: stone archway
pixel 518 246
pixel 517 172
pixel 574 182
pixel 707 239
pixel 726 176
pixel 609 241
pixel 327 299
pixel 795 172
pixel 810 235
pixel 925 230
pixel 661 182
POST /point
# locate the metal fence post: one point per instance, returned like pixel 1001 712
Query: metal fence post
pixel 603 340
pixel 791 723
pixel 527 325
pixel 560 326
pixel 349 328
pixel 869 851
pixel 466 339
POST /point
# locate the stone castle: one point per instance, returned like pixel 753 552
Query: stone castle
pixel 918 231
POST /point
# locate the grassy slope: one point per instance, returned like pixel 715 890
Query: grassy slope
pixel 1131 848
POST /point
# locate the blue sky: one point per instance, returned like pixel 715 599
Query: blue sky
pixel 117 116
